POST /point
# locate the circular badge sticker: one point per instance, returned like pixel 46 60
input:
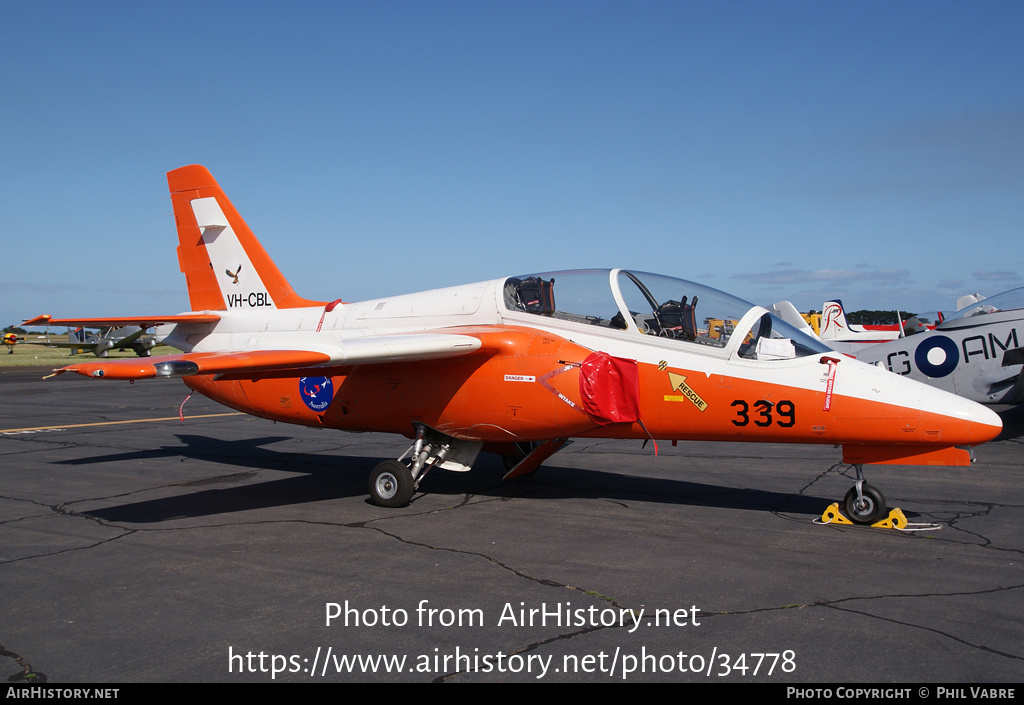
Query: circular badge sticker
pixel 316 392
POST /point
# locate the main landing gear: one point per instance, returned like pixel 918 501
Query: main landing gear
pixel 393 482
pixel 864 503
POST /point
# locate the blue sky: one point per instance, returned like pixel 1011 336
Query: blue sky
pixel 868 150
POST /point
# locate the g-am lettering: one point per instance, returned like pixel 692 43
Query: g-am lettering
pixel 948 355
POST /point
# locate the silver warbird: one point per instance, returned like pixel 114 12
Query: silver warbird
pixel 975 353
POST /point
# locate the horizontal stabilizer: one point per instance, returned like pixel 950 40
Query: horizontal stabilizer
pixel 118 321
pixel 1013 357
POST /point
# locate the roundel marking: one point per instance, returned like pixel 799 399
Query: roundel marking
pixel 316 392
pixel 937 356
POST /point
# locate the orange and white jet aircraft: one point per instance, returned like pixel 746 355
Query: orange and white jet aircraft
pixel 521 364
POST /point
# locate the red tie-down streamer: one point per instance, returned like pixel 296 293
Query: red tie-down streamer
pixel 832 364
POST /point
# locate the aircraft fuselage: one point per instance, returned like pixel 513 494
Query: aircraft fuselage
pixel 976 358
pixel 525 384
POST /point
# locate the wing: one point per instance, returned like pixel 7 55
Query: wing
pixel 356 351
pixel 115 342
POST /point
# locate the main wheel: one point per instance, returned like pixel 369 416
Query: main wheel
pixel 872 509
pixel 391 484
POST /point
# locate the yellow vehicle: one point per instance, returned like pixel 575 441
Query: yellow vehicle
pixel 813 320
pixel 719 328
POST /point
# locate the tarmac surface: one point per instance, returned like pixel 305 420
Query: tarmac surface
pixel 135 547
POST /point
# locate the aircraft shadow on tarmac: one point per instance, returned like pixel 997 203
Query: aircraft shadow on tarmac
pixel 320 477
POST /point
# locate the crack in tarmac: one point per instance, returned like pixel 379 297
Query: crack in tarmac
pixel 828 604
pixel 29 675
pixel 947 635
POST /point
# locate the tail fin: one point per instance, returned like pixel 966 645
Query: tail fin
pixel 224 264
pixel 78 335
pixel 833 320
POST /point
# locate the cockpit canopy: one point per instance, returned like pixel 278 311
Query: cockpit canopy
pixel 652 304
pixel 1006 301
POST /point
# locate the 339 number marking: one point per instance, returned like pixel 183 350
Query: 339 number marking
pixel 765 413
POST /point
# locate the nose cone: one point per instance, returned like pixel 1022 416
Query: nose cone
pixel 947 418
pixel 929 415
pixel 983 423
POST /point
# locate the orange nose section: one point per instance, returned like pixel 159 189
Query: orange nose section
pixel 944 438
pixel 964 422
pixel 985 425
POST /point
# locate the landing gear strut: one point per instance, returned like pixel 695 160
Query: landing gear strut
pixel 864 503
pixel 393 482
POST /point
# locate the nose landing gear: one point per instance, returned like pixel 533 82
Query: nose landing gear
pixel 864 503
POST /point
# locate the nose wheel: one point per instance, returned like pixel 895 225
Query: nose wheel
pixel 864 504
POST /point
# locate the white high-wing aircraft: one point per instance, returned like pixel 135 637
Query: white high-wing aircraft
pixel 520 364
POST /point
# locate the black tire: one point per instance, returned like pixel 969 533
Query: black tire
pixel 391 484
pixel 872 510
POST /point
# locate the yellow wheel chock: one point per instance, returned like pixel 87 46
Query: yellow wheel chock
pixel 895 520
pixel 832 515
